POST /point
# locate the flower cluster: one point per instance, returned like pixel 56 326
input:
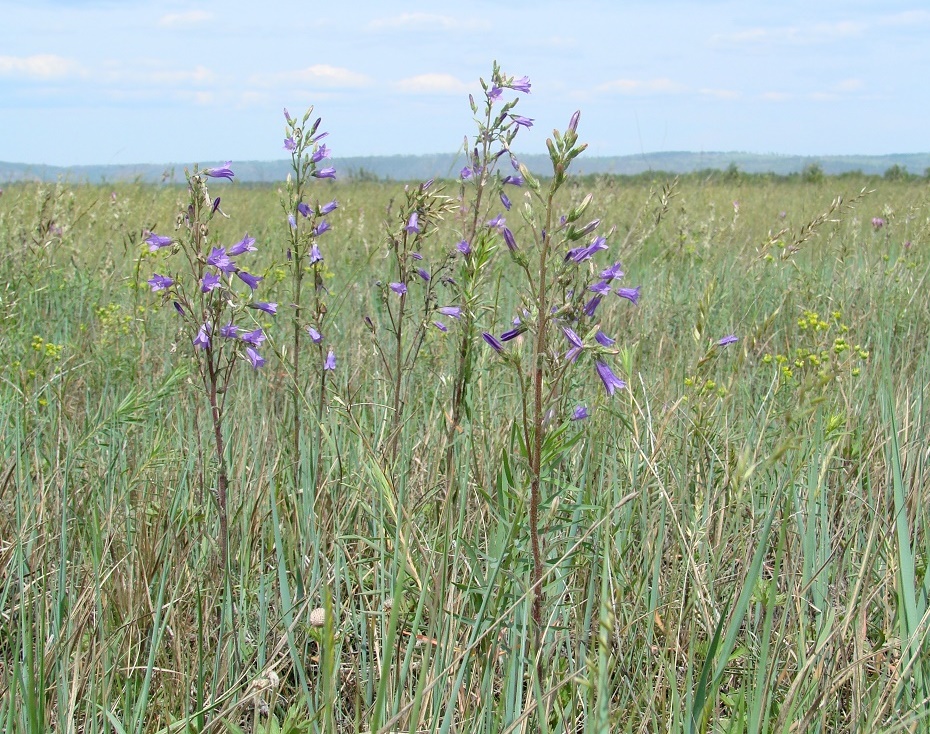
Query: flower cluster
pixel 307 224
pixel 213 305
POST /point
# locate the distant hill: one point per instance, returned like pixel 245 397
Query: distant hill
pixel 421 167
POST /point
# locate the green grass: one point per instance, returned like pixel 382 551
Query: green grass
pixel 728 549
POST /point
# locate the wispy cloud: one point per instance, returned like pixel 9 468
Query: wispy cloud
pixel 322 75
pixel 720 93
pixel 181 20
pixel 908 18
pixel 848 85
pixel 795 34
pixel 427 22
pixel 641 86
pixel 42 66
pixel 432 84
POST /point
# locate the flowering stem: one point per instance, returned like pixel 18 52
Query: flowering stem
pixel 216 412
pixel 295 362
pixel 542 309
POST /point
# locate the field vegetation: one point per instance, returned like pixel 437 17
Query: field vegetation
pixel 735 541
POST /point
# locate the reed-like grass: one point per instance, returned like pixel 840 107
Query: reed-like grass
pixel 726 549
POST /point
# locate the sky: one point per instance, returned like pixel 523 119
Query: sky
pixel 165 81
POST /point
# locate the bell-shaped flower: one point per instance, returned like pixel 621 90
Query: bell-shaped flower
pixel 250 280
pixel 610 380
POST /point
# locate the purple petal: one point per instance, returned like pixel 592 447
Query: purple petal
pixel 493 342
pixel 250 280
pixel 630 294
pixel 255 358
pixel 610 380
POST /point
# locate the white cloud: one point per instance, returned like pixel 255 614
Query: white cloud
pixel 641 86
pixel 908 17
pixel 180 20
pixel 721 93
pixel 432 84
pixel 198 76
pixel 849 85
pixel 322 75
pixel 797 35
pixel 42 66
pixel 775 96
pixel 426 22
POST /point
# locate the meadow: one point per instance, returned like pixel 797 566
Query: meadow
pixel 735 541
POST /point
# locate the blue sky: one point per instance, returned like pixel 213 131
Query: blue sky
pixel 85 82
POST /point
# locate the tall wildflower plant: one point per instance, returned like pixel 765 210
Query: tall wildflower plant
pixel 214 298
pixel 481 179
pixel 412 300
pixel 558 329
pixel 307 223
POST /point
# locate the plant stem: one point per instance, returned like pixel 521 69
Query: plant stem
pixel 210 380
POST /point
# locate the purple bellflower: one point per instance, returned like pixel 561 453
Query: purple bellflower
pixel 463 247
pixel 246 244
pixel 230 331
pixel 610 380
pixel 202 341
pixel 522 121
pixel 423 274
pixel 220 260
pixel 160 282
pixel 330 364
pixel 413 224
pixel 255 358
pixel 591 306
pixel 209 282
pixel 505 201
pixel 329 172
pixel 322 227
pixel 612 272
pixel 303 208
pixel 454 311
pixel 513 180
pixel 250 280
pixel 315 336
pixel 223 171
pixel 577 345
pixel 441 326
pixel 329 207
pixel 255 338
pixel 630 294
pixel 157 241
pixel 514 332
pixel 493 342
pixel 521 85
pixel 580 413
pixel 497 223
pixel 728 339
pixel 508 238
pixel 399 288
pixel 320 153
pixel 603 339
pixel 315 255
pixel 271 308
pixel 289 145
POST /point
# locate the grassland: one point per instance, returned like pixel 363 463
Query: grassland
pixel 737 542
